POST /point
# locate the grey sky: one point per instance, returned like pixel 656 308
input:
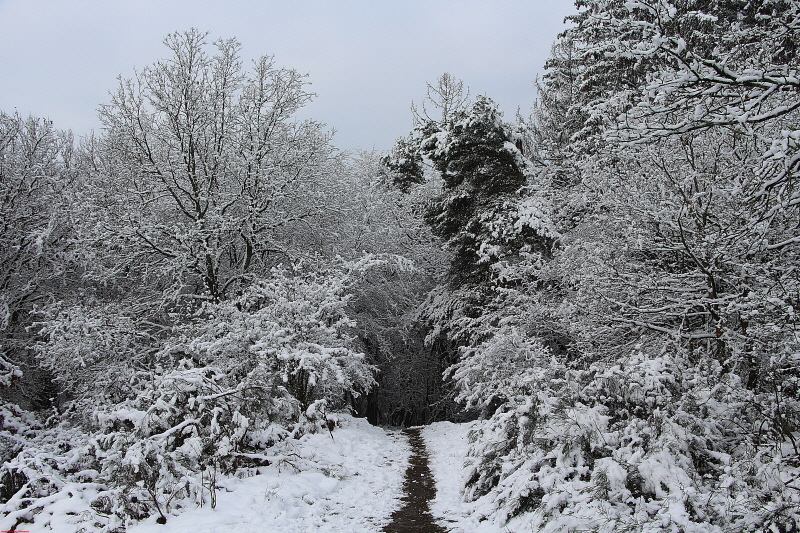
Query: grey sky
pixel 367 60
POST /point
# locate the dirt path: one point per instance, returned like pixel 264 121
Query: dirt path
pixel 419 488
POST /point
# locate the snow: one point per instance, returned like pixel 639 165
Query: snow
pixel 358 492
pixel 447 445
pixel 355 489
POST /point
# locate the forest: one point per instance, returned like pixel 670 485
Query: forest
pixel 605 287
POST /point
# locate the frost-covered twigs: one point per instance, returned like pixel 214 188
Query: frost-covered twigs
pixel 698 66
pixel 694 68
pixel 8 370
pixel 290 334
pixel 208 234
pixel 98 352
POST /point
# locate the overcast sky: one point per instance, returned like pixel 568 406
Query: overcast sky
pixel 366 59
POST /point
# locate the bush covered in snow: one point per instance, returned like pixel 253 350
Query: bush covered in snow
pixel 646 443
pixel 161 418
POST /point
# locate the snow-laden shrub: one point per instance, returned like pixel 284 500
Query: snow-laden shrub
pixel 57 470
pixel 169 442
pixel 98 353
pixel 141 456
pixel 645 443
pixel 287 333
pixel 163 417
pixel 17 426
pixel 507 365
pixel 9 371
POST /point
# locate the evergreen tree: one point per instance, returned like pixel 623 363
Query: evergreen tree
pixel 484 212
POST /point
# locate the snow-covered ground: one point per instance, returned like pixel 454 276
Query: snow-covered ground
pixel 447 446
pixel 358 495
pixel 355 490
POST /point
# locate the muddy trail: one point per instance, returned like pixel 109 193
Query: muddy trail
pixel 419 488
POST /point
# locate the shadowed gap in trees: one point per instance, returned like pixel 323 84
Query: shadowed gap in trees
pixel 411 390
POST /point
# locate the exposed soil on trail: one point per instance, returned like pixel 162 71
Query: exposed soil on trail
pixel 419 488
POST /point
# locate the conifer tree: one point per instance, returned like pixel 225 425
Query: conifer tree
pixel 482 214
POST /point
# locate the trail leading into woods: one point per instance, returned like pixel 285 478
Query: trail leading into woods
pixel 419 488
pixel 367 479
pixel 364 480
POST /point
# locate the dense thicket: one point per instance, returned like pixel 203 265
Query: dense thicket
pixel 37 177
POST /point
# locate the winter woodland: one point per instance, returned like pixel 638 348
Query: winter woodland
pixel 596 301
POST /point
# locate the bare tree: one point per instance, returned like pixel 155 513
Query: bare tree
pixel 447 99
pixel 210 165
